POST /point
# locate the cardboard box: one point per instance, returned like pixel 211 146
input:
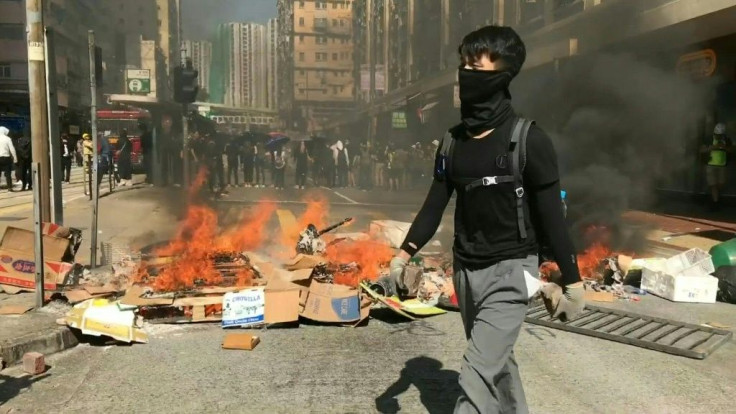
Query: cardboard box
pixel 326 302
pixel 684 277
pixel 679 288
pixel 17 259
pixel 240 341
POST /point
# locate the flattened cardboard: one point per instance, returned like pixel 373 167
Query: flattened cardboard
pixel 392 304
pixel 133 297
pixel 15 309
pixel 77 295
pixel 331 303
pixel 100 317
pixel 303 261
pixel 592 296
pixel 12 290
pixel 240 341
pixel 100 290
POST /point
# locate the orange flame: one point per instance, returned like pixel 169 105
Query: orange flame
pixel 196 242
pixel 370 255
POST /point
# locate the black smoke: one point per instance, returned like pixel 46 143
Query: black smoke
pixel 620 127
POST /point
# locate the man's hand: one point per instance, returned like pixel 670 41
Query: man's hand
pixel 564 303
pixel 396 268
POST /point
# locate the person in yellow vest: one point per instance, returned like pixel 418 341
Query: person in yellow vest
pixel 717 152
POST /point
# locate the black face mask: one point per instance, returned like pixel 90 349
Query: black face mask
pixel 485 102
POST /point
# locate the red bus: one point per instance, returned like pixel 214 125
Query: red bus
pixel 112 122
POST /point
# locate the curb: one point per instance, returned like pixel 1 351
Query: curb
pixel 47 343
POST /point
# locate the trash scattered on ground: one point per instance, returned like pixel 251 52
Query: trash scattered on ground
pixel 34 363
pixel 101 317
pixel 240 341
pixel 684 277
pixel 14 309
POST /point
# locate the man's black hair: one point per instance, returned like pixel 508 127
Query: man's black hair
pixel 500 43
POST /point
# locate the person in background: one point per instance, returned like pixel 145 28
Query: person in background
pixel 379 159
pixel 393 167
pixel 259 162
pixel 364 162
pixel 351 156
pixel 25 156
pixel 342 163
pixel 147 151
pixel 301 157
pixel 717 150
pixel 232 152
pixel 8 157
pixel 215 165
pixel 78 152
pixel 278 165
pixel 67 152
pixel 124 162
pixel 247 152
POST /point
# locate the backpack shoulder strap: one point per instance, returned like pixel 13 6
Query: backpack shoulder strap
pixel 443 163
pixel 518 162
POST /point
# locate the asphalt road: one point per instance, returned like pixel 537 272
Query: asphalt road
pixel 386 365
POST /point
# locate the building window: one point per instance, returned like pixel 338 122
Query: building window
pixel 342 22
pixel 301 38
pixel 334 22
pixel 301 91
pixel 334 56
pixel 301 21
pixel 321 40
pixel 301 56
pixel 301 4
pixel 4 71
pixel 301 73
pixel 10 31
pixel 334 5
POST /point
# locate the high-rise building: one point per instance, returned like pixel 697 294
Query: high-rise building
pixel 201 54
pixel 240 65
pixel 136 19
pixel 272 64
pixel 319 37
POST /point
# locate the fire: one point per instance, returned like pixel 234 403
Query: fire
pixel 316 213
pixel 368 254
pixel 196 243
pixel 589 262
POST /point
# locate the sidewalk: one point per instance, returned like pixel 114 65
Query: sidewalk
pixel 127 215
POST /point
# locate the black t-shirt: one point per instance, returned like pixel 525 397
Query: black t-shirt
pixel 486 230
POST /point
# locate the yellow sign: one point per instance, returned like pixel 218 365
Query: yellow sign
pixel 697 65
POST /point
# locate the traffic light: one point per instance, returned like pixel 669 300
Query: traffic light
pixel 185 84
pixel 98 66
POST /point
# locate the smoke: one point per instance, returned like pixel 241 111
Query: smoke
pixel 620 126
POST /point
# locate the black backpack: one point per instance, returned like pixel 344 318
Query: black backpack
pixel 516 156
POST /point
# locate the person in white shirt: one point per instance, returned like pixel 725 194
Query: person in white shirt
pixel 7 156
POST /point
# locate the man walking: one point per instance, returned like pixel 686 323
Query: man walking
pixel 67 152
pixel 498 195
pixel 8 157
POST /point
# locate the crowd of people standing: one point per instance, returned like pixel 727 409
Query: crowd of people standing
pixel 239 160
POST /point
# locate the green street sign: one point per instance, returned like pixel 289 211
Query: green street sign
pixel 138 82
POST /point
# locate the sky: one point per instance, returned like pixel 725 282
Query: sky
pixel 201 17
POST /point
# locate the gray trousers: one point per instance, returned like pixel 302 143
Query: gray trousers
pixel 493 302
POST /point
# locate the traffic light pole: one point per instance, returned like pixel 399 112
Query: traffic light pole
pixel 93 166
pixel 185 146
